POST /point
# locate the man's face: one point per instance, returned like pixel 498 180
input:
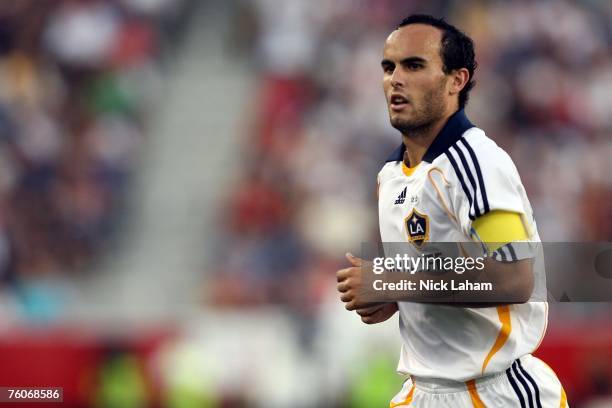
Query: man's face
pixel 414 82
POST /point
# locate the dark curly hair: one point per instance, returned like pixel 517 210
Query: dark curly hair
pixel 456 49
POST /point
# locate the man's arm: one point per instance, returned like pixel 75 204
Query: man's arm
pixel 512 282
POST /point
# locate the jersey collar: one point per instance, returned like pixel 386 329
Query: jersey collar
pixel 450 133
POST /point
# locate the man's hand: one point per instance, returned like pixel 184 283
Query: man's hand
pixel 350 281
pixel 377 313
pixel 349 285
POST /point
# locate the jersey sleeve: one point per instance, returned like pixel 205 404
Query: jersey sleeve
pixel 485 180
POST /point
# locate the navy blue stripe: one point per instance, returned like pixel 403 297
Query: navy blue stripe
pixel 460 177
pixel 483 191
pixel 504 258
pixel 516 388
pixel 531 380
pixel 467 170
pixel 523 383
pixel 513 256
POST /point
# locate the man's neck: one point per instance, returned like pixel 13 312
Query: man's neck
pixel 417 142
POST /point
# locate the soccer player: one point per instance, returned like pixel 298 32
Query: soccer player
pixel 448 182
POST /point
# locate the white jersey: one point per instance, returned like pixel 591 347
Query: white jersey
pixel 463 175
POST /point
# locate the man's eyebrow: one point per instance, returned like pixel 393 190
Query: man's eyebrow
pixel 411 60
pixel 408 60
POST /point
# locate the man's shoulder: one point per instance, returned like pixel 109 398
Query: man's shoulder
pixel 475 148
pixel 482 144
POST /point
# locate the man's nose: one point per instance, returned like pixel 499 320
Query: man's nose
pixel 397 79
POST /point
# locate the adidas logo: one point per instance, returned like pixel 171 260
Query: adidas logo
pixel 401 197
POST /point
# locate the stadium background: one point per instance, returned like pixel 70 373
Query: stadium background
pixel 179 180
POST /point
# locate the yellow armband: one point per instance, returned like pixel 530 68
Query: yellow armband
pixel 497 228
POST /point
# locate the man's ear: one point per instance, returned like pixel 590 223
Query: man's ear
pixel 459 79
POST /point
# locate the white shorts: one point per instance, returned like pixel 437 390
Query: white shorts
pixel 528 383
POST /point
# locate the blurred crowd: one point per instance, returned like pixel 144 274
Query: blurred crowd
pixel 77 79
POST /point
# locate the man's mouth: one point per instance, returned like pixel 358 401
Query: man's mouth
pixel 398 102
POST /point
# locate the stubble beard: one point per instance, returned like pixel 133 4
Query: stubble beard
pixel 425 115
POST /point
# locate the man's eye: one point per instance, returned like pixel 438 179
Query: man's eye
pixel 414 67
pixel 388 69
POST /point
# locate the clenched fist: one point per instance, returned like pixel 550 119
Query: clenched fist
pixel 350 281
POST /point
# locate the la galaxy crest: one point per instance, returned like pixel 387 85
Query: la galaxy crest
pixel 417 227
